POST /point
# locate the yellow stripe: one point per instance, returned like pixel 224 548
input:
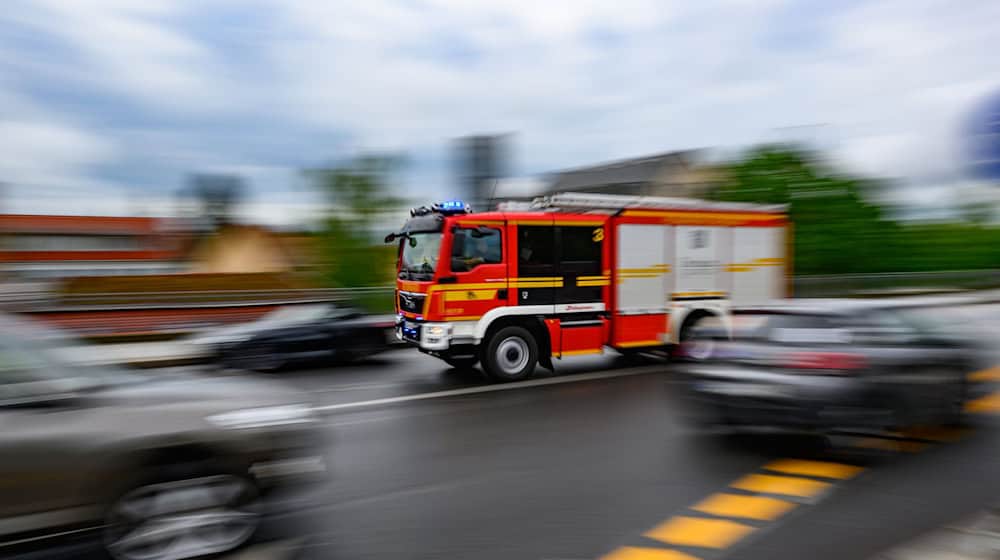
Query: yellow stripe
pixel 463 318
pixel 641 553
pixel 470 295
pixel 604 277
pixel 769 261
pixel 635 343
pixel 987 404
pixel 580 352
pixel 589 283
pixel 655 269
pixel 814 468
pixel 698 294
pixel 550 284
pixel 723 217
pixel 991 374
pixel 705 533
pixel 745 507
pixel 739 268
pixel 784 485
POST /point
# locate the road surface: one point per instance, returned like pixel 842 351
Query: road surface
pixel 596 461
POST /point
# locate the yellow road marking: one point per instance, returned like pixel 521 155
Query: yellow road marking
pixel 991 374
pixel 988 404
pixel 705 533
pixel 638 553
pixel 746 507
pixel 813 468
pixel 784 485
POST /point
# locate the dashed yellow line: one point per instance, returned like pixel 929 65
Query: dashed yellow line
pixel 641 553
pixel 988 404
pixel 991 374
pixel 814 468
pixel 781 485
pixel 744 507
pixel 703 533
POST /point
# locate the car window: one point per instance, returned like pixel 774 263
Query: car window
pixel 805 329
pixel 881 327
pixel 473 247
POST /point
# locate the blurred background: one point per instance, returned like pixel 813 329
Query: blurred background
pixel 171 147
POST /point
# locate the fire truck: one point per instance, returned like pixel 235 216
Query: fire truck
pixel 571 274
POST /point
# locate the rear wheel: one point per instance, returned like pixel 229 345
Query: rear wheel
pixel 511 354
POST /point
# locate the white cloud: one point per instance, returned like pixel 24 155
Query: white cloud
pixel 577 81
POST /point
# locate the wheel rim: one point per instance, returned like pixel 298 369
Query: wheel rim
pixel 183 519
pixel 699 348
pixel 512 355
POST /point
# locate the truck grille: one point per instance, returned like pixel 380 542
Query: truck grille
pixel 411 303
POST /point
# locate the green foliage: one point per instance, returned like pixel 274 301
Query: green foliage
pixel 837 231
pixel 358 192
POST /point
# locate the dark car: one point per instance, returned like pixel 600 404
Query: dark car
pixel 297 334
pixel 828 364
pixel 144 466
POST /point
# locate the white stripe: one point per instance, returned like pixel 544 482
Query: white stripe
pixel 491 388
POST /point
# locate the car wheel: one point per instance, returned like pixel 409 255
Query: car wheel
pixel 263 357
pixel 693 345
pixel 955 407
pixel 511 354
pixel 185 518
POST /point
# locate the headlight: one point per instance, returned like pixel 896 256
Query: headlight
pixel 436 330
pixel 263 417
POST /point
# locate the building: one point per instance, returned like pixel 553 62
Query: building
pixel 675 174
pixel 243 249
pixel 49 246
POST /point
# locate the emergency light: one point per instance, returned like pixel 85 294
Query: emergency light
pixel 452 207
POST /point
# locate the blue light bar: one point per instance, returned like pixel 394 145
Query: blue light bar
pixel 452 207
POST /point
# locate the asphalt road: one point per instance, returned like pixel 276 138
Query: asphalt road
pixel 596 461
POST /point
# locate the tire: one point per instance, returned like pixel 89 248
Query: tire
pixel 954 415
pixel 264 358
pixel 215 514
pixel 510 355
pixel 690 347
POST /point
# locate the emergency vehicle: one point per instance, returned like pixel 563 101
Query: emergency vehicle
pixel 572 274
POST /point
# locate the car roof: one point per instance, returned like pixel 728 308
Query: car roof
pixel 845 306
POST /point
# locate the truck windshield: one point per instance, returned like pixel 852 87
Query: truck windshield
pixel 419 258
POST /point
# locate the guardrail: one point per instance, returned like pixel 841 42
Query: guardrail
pixel 804 286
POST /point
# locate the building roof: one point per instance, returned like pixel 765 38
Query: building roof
pixel 623 172
pixel 89 225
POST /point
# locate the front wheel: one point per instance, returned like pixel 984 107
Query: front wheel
pixel 185 518
pixel 511 354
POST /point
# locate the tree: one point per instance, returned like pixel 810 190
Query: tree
pixel 835 229
pixel 359 195
pixel 216 196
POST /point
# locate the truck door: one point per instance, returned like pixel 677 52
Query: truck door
pixel 537 277
pixel 479 271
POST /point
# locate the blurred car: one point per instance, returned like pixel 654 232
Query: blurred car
pixel 146 466
pixel 827 364
pixel 305 333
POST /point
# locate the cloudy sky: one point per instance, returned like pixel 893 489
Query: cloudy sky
pixel 106 105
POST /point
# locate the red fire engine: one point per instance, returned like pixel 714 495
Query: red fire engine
pixel 572 274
